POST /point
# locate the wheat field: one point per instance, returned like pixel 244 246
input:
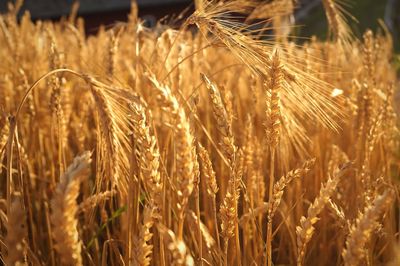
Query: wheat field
pixel 224 141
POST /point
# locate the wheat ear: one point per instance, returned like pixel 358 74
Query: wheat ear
pixel 185 150
pixel 273 113
pixel 228 215
pixel 306 229
pixel 3 138
pixel 16 233
pixel 212 186
pixel 272 9
pixel 180 253
pixel 280 185
pixel 206 236
pixel 364 226
pixel 148 153
pixel 208 171
pixel 55 83
pixel 112 51
pixel 221 116
pixel 141 249
pixel 369 56
pixel 64 209
pixel 113 131
pixel 338 26
pixel 224 126
pixel 273 85
pixel 95 200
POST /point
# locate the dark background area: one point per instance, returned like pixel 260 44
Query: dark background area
pixel 366 13
pixel 107 12
pixel 51 9
pixel 310 15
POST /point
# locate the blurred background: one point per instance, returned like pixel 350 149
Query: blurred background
pixel 309 15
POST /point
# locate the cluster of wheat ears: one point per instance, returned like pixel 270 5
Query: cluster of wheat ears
pixel 221 142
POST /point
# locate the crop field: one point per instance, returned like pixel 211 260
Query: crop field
pixel 225 140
